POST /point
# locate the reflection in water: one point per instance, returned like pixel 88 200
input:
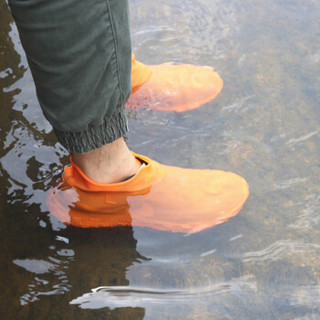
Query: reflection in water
pixel 263 263
pixel 66 272
pixel 41 285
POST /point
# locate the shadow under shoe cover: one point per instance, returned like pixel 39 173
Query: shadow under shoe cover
pixel 158 196
pixel 170 87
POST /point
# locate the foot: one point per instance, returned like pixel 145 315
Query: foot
pixel 170 87
pixel 158 196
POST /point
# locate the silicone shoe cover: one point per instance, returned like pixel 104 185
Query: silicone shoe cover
pixel 158 196
pixel 170 87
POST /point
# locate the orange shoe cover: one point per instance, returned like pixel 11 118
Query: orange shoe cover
pixel 140 73
pixel 169 87
pixel 158 196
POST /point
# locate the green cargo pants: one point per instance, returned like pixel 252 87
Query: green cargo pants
pixel 79 53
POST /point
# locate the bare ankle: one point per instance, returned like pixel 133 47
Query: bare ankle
pixel 111 163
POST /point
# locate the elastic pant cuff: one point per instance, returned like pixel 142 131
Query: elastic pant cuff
pixel 94 136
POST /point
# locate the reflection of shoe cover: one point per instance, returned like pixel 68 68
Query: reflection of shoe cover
pixel 169 87
pixel 158 196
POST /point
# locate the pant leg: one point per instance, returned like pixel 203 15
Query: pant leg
pixel 79 53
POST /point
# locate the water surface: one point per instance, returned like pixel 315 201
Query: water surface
pixel 265 126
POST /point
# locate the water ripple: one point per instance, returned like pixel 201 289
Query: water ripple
pixel 309 217
pixel 293 142
pixel 278 250
pixel 288 183
pixel 308 296
pixel 128 296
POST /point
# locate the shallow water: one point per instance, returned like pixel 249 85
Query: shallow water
pixel 265 125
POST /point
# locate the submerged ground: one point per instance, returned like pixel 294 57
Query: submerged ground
pixel 265 125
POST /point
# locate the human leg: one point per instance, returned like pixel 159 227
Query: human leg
pixel 79 53
pixel 82 75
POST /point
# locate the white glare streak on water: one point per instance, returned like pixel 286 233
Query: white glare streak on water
pixel 115 297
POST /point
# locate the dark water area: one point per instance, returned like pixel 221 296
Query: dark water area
pixel 265 125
